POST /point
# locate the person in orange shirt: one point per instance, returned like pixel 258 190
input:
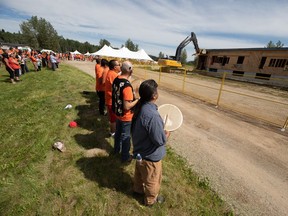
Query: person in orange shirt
pixel 123 101
pixel 5 58
pixel 114 69
pixel 13 62
pixel 33 59
pixel 97 66
pixel 105 72
pixel 1 52
pixel 101 86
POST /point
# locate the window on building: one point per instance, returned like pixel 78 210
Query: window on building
pixel 213 59
pixel 278 63
pixel 221 60
pixel 262 62
pixel 225 60
pixel 240 59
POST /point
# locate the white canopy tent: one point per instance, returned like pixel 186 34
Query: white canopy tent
pixel 47 51
pixel 87 54
pixel 76 52
pixel 143 54
pixel 104 51
pixel 122 53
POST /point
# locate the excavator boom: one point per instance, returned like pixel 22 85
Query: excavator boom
pixel 184 43
pixel 175 61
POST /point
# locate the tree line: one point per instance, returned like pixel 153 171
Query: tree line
pixel 38 34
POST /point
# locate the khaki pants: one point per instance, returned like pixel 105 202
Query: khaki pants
pixel 147 179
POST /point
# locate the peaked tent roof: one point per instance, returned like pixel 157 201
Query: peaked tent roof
pixel 124 52
pixel 76 52
pixel 143 54
pixel 104 51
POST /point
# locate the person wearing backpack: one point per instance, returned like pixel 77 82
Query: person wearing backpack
pixel 123 101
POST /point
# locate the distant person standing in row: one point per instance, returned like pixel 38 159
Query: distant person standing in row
pixel 114 70
pixel 97 79
pixel 101 85
pixel 14 64
pixel 53 61
pixel 9 69
pixel 23 64
pixel 44 59
pixel 33 59
pixel 97 66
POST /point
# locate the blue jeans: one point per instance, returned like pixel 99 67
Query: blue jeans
pixel 122 139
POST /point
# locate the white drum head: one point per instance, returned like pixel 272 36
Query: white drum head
pixel 136 85
pixel 171 115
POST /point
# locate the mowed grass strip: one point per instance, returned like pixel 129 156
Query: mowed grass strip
pixel 85 179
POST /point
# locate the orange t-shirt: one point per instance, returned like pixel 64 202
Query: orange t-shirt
pixel 127 96
pixel 99 77
pixel 33 59
pixel 97 66
pixel 104 76
pixel 13 63
pixel 111 75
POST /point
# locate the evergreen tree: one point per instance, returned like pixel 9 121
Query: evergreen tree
pixel 184 57
pixel 161 55
pixel 103 42
pixel 270 44
pixel 130 45
pixel 39 34
pixel 279 44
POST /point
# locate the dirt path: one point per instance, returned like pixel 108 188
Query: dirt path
pixel 245 161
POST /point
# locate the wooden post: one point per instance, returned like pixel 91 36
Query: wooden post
pixel 220 90
pixel 184 80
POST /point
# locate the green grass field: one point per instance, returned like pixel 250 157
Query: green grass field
pixel 37 180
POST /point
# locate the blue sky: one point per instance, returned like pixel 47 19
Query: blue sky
pixel 157 25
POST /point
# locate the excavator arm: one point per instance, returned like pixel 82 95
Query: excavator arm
pixel 175 61
pixel 184 43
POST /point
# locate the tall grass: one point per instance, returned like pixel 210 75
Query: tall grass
pixel 85 179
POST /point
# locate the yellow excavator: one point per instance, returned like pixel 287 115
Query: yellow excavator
pixel 175 61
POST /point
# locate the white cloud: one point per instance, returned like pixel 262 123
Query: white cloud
pixel 161 25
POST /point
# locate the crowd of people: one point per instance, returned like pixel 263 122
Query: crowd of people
pixel 136 118
pixel 15 61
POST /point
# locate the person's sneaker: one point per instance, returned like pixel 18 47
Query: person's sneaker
pixel 160 199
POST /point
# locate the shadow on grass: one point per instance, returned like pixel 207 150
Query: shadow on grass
pixel 89 119
pixel 5 78
pixel 93 140
pixel 87 114
pixel 105 169
pixel 108 172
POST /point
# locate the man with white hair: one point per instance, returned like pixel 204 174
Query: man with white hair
pixel 123 101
